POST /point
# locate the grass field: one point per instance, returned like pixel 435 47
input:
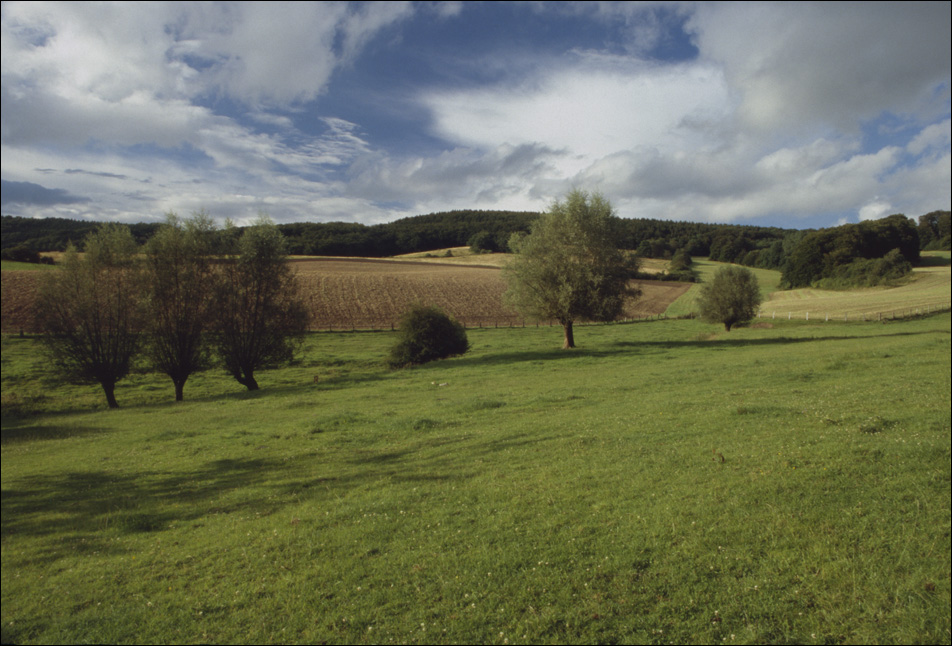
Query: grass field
pixel 929 289
pixel 664 483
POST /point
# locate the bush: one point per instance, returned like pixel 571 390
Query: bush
pixel 427 334
pixel 868 272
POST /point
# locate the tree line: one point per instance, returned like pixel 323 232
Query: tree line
pixel 753 246
pixel 193 296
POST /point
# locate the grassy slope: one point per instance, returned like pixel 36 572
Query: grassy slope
pixel 929 287
pixel 664 483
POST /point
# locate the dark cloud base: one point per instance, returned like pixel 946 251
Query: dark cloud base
pixel 28 193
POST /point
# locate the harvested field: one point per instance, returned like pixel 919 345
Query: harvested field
pixel 361 293
pixel 367 293
pixel 17 292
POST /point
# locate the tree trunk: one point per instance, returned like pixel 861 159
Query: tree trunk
pixel 569 335
pixel 110 390
pixel 179 388
pixel 249 382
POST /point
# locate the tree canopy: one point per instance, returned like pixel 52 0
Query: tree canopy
pixel 90 310
pixel 732 297
pixel 259 312
pixel 569 268
pixel 179 283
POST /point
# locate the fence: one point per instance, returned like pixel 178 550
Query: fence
pixel 469 322
pixel 889 315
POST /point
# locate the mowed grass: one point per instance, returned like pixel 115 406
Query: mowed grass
pixel 666 482
pixel 927 290
pixel 687 305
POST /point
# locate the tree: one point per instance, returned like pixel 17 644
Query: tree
pixel 259 312
pixel 427 334
pixel 732 297
pixel 568 268
pixel 482 242
pixel 179 279
pixel 90 312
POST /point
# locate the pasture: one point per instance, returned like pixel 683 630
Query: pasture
pixel 664 483
pixel 928 289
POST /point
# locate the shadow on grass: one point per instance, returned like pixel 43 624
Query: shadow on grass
pixel 934 261
pixel 80 512
pixel 12 433
pixel 16 419
pixel 635 348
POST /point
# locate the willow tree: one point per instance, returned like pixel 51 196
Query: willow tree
pixel 732 297
pixel 179 272
pixel 90 312
pixel 259 312
pixel 569 267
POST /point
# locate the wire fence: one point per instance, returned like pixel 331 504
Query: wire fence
pixel 475 323
pixel 469 322
pixel 888 315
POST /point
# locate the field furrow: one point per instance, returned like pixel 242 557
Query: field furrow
pixel 356 293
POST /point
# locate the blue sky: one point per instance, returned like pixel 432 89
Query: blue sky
pixel 788 114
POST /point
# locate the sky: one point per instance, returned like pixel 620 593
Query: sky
pixel 798 115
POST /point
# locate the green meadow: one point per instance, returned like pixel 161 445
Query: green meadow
pixel 666 482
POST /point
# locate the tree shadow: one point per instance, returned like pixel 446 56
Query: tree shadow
pixel 11 432
pixel 934 261
pixel 80 512
pixel 638 348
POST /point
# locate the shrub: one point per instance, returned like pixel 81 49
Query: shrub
pixel 427 334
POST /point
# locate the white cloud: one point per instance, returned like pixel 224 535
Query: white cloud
pixel 125 74
pixel 937 136
pixel 795 65
pixel 875 210
pixel 156 106
pixel 459 178
pixel 276 53
pixel 588 110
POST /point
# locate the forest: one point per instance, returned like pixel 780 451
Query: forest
pixel 804 256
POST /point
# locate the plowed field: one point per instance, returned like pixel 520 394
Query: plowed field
pixel 362 293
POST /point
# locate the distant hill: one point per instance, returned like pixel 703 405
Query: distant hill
pixel 753 246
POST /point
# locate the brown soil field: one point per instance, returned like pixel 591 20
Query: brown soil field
pixel 360 293
pixel 17 291
pixel 363 293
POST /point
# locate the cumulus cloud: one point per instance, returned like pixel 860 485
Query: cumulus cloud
pixel 276 52
pixel 796 65
pixel 127 74
pixel 591 108
pixel 769 110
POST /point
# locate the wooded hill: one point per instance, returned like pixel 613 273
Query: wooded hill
pixel 651 238
pixel 754 246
